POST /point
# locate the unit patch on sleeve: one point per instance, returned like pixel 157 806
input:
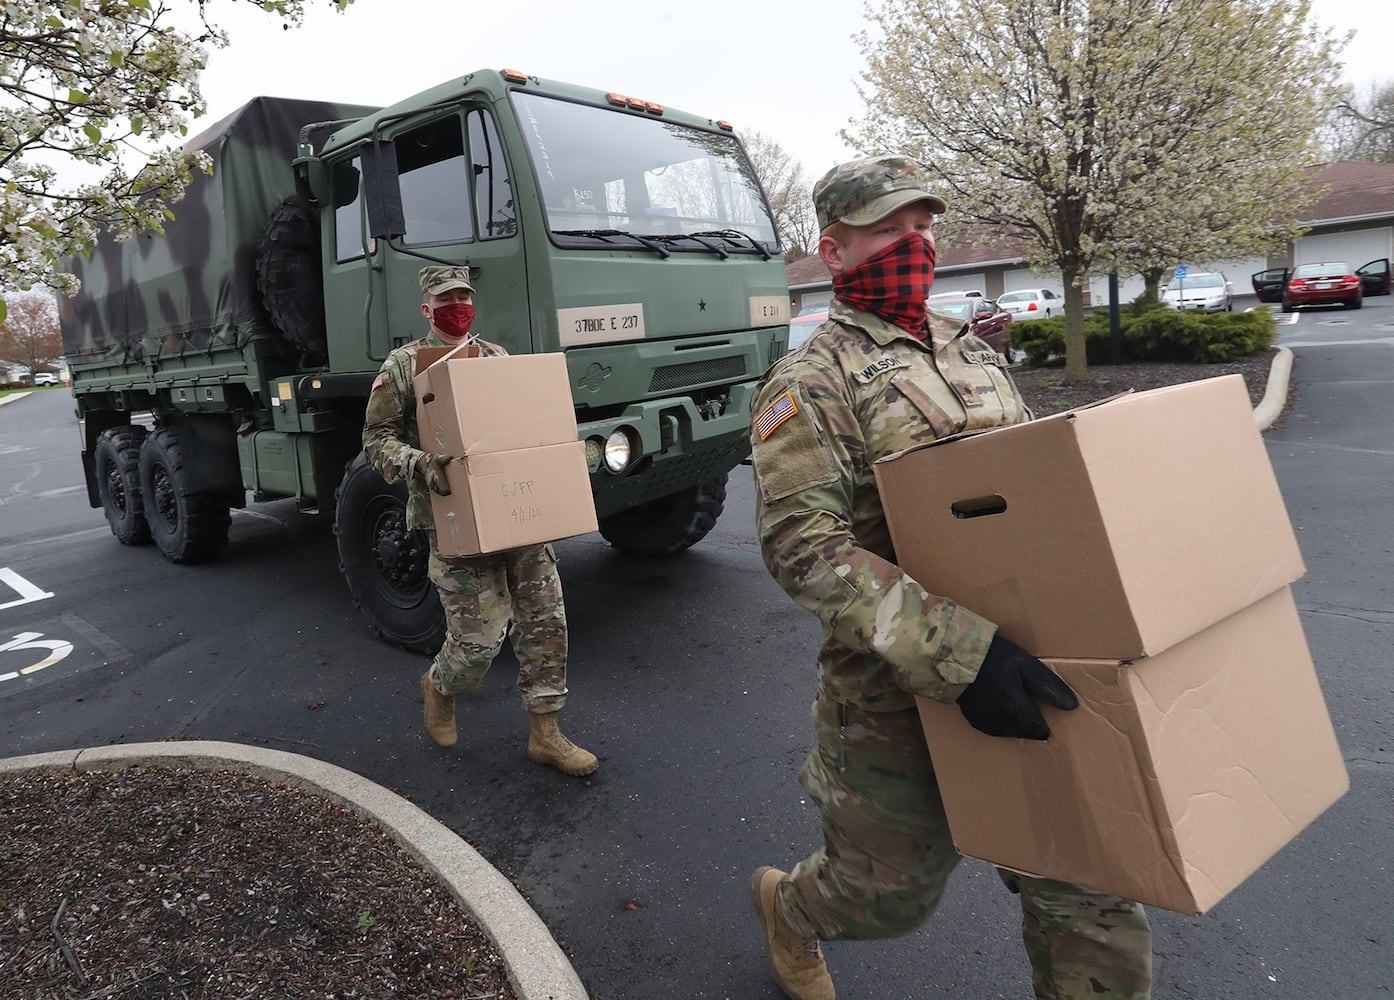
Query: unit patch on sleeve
pixel 775 414
pixel 883 364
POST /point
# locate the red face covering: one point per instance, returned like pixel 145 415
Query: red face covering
pixel 893 284
pixel 453 319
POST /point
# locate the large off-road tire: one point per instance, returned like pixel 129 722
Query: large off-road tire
pixel 384 562
pixel 289 277
pixel 187 527
pixel 670 524
pixel 116 467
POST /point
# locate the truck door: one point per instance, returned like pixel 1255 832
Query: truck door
pixel 457 200
pixel 458 208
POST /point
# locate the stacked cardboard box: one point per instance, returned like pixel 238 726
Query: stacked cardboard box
pixel 520 475
pixel 1141 547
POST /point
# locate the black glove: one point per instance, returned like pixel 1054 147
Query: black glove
pixel 999 701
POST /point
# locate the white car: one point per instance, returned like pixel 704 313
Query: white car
pixel 1205 291
pixel 45 378
pixel 1032 303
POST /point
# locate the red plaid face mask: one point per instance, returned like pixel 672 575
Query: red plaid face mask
pixel 893 284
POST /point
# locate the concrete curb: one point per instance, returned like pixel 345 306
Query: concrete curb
pixel 11 397
pixel 537 967
pixel 1275 396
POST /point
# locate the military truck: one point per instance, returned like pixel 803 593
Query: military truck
pixel 233 353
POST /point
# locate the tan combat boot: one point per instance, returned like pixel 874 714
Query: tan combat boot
pixel 547 744
pixel 440 713
pixel 797 963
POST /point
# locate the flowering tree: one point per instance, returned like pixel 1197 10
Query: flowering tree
pixel 1106 134
pixel 113 85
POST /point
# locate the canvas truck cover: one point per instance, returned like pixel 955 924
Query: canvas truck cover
pixel 194 287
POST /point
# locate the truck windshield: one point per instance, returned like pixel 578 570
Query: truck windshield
pixel 608 177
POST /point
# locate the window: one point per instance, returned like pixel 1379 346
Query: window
pixel 495 214
pixel 601 170
pixel 435 184
pixel 349 225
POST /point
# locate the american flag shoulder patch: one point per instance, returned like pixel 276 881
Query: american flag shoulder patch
pixel 376 382
pixel 775 414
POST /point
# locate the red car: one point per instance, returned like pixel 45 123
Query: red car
pixel 987 320
pixel 1325 284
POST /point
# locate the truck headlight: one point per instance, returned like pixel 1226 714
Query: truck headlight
pixel 618 450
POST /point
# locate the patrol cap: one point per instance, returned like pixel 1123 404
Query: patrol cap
pixel 861 192
pixel 438 279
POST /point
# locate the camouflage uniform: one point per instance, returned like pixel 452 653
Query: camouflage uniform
pixel 861 389
pixel 482 595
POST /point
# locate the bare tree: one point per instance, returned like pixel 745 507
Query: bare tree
pixel 791 200
pixel 1361 127
pixel 29 335
pixel 1106 134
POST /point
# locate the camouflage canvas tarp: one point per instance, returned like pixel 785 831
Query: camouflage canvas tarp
pixel 194 287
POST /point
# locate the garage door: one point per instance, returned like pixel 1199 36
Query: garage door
pixel 1019 277
pixel 959 283
pixel 1355 248
pixel 1128 289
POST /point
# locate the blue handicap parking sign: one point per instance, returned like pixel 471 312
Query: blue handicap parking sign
pixel 1180 270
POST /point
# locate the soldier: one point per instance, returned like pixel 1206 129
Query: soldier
pixel 487 595
pixel 882 374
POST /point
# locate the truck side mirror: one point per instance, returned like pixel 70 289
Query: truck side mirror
pixel 382 191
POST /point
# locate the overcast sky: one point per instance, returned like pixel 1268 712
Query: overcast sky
pixel 786 70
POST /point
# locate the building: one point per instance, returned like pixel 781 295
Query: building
pixel 1353 222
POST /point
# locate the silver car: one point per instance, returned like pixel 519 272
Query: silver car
pixel 1207 291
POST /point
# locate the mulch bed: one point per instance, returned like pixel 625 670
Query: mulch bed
pixel 153 883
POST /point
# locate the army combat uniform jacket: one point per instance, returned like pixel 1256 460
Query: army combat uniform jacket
pixel 861 389
pixel 390 434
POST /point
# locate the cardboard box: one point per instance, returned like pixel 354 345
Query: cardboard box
pixel 520 475
pixel 1175 779
pixel 506 499
pixel 1108 532
pixel 471 405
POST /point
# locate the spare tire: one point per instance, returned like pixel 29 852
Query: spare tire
pixel 289 277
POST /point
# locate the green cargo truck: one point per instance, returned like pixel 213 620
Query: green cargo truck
pixel 233 353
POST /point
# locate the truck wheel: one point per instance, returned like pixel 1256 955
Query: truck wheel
pixel 666 526
pixel 385 562
pixel 289 278
pixel 187 527
pixel 116 465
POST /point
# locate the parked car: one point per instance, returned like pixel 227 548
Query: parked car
pixel 801 327
pixel 1032 303
pixel 45 378
pixel 1205 291
pixel 967 293
pixel 986 319
pixel 1324 284
pixel 1374 280
pixel 1268 285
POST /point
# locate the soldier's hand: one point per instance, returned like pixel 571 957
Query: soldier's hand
pixel 433 471
pixel 1000 702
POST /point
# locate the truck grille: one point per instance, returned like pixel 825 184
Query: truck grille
pixel 671 377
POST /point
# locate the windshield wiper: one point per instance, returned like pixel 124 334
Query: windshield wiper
pixel 605 234
pixel 735 236
pixel 671 238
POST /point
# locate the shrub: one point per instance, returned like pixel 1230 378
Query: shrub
pixel 1151 332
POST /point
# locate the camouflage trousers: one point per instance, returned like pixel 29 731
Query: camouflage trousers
pixel 888 853
pixel 487 598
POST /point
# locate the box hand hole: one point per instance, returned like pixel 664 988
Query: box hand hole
pixel 993 503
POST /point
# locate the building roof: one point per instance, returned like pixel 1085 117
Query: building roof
pixel 1357 190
